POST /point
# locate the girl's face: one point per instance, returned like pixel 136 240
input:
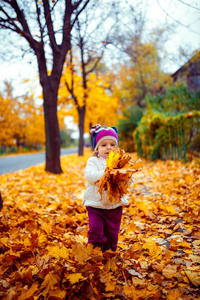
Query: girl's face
pixel 105 147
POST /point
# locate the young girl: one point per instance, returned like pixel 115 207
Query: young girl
pixel 104 216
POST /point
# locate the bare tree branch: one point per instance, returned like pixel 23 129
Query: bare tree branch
pixel 20 17
pixel 79 12
pixel 177 21
pixel 38 19
pixel 95 64
pixel 189 5
pixel 76 4
pixel 24 31
pixel 71 90
pixel 50 28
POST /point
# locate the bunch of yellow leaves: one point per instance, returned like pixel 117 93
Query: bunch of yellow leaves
pixel 118 173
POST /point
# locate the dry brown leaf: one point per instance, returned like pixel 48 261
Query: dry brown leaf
pixel 170 271
pixel 194 276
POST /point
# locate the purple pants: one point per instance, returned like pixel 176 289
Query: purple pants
pixel 104 227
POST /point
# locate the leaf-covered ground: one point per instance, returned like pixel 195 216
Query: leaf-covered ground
pixel 43 236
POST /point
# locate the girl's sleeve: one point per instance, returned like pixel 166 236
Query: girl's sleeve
pixel 91 172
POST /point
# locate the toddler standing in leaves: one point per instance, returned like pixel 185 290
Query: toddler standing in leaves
pixel 104 216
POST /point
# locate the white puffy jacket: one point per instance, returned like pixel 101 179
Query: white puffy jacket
pixel 94 170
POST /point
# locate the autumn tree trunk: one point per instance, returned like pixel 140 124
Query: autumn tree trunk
pixel 91 137
pixel 81 113
pixel 82 109
pixel 51 130
pixel 1 202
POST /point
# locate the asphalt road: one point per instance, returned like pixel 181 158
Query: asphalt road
pixel 13 163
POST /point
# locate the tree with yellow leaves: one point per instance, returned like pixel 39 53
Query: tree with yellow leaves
pixel 101 107
pixel 21 120
pixel 90 102
pixel 142 76
pixel 9 117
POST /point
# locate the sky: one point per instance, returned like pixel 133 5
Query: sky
pixel 158 11
pixel 185 16
pixel 187 35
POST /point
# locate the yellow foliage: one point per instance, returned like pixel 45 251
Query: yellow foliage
pixel 21 121
pixel 9 120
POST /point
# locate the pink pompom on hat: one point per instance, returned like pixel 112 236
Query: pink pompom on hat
pixel 103 133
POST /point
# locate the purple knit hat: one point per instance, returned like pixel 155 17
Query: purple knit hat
pixel 103 133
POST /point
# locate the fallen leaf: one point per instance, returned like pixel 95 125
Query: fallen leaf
pixel 74 278
pixel 58 252
pixel 26 294
pixel 194 276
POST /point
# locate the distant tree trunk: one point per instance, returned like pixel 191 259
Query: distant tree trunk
pixel 91 137
pixel 82 109
pixel 1 202
pixel 81 113
pixel 86 60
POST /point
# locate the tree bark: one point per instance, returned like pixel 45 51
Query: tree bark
pixel 52 131
pixel 82 109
